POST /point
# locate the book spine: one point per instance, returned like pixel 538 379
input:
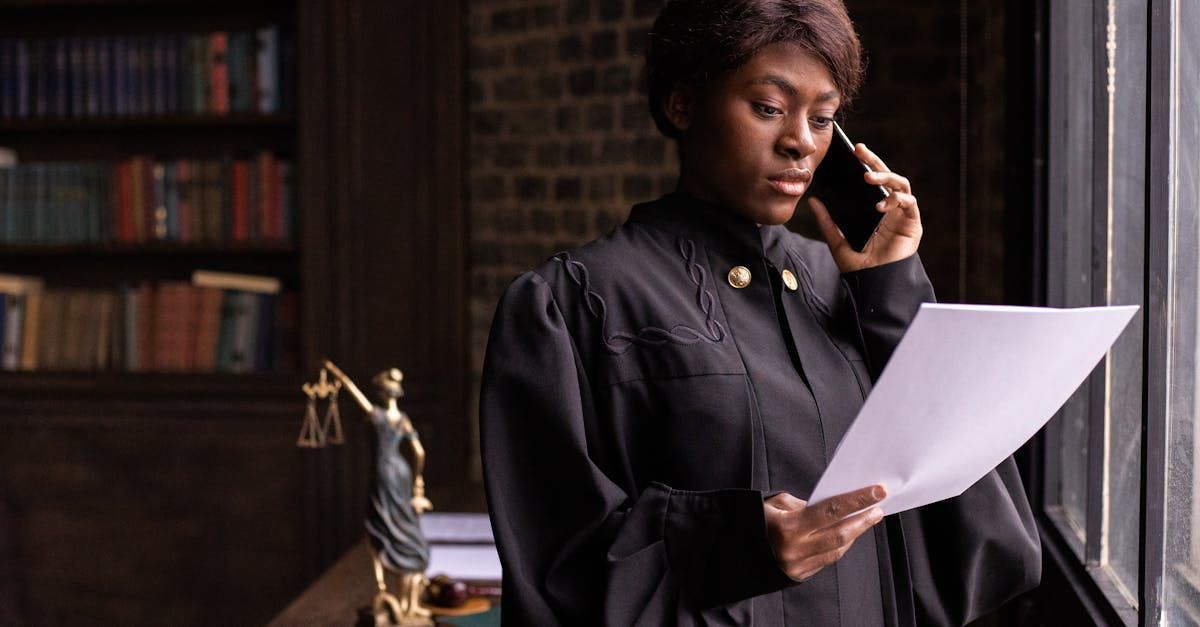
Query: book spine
pixel 286 203
pixel 23 79
pixel 105 76
pixel 76 75
pixel 120 71
pixel 268 197
pixel 240 228
pixel 171 197
pixel 183 190
pixel 8 77
pixel 14 321
pixel 173 84
pixel 31 335
pixel 61 102
pixel 159 195
pixel 218 72
pixel 158 74
pixel 132 309
pixel 91 61
pixel 146 78
pixel 199 71
pixel 264 334
pixel 146 324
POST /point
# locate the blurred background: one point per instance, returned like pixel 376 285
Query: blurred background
pixel 391 166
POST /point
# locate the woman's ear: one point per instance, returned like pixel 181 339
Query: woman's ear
pixel 679 106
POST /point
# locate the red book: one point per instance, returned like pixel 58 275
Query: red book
pixel 137 193
pixel 208 328
pixel 184 205
pixel 240 200
pixel 145 326
pixel 218 72
pixel 268 197
pixel 124 201
pixel 150 211
pixel 173 326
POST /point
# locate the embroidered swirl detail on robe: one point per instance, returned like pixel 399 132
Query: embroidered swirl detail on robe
pixel 618 342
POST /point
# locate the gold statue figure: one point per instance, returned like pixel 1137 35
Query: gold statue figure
pixel 397 500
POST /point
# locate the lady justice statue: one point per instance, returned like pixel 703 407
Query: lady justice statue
pixel 397 499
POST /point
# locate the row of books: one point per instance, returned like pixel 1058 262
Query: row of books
pixel 142 199
pixel 141 75
pixel 216 323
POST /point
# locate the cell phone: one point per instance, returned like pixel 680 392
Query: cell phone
pixel 839 183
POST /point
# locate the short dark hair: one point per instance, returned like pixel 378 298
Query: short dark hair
pixel 694 42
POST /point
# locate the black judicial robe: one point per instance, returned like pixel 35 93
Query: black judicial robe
pixel 636 409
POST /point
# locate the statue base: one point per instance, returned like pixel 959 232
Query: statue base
pixel 368 618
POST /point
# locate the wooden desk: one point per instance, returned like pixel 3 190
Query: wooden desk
pixel 333 599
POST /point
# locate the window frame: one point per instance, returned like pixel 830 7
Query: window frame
pixel 1071 565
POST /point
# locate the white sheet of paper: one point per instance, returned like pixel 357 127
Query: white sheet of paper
pixel 457 527
pixel 468 562
pixel 966 387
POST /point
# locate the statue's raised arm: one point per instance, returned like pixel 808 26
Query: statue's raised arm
pixel 359 397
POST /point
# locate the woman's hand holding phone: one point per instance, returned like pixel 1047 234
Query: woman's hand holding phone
pixel 898 234
pixel 806 539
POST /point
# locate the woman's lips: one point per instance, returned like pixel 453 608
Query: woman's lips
pixel 791 182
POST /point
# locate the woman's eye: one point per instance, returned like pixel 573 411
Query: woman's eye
pixel 768 110
pixel 821 122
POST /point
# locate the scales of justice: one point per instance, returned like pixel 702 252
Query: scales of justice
pixel 397 487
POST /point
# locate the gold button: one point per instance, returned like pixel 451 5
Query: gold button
pixel 789 280
pixel 739 277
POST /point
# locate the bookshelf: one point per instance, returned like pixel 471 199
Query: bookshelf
pixel 127 497
pixel 104 119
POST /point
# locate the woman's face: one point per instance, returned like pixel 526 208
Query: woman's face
pixel 753 138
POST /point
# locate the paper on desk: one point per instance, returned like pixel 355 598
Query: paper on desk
pixel 966 387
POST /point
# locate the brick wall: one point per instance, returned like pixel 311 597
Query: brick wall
pixel 561 143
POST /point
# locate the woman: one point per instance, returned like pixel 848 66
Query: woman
pixel 657 404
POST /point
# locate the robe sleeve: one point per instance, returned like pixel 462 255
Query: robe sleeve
pixel 970 554
pixel 886 299
pixel 576 546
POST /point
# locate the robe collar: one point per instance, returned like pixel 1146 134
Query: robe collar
pixel 711 225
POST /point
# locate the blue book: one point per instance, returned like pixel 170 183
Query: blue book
pixel 120 67
pixel 53 214
pixel 12 203
pixel 267 53
pixel 239 75
pixel 37 208
pixel 158 73
pixel 91 61
pixel 265 334
pixel 39 70
pixel 171 86
pixel 7 75
pixel 22 54
pixel 61 90
pixel 137 78
pixel 75 77
pixel 104 76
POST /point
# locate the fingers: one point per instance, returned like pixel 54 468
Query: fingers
pixel 834 509
pixel 829 229
pixel 872 160
pixel 906 203
pixel 894 182
pixel 830 544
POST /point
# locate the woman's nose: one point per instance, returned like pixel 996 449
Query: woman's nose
pixel 797 141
